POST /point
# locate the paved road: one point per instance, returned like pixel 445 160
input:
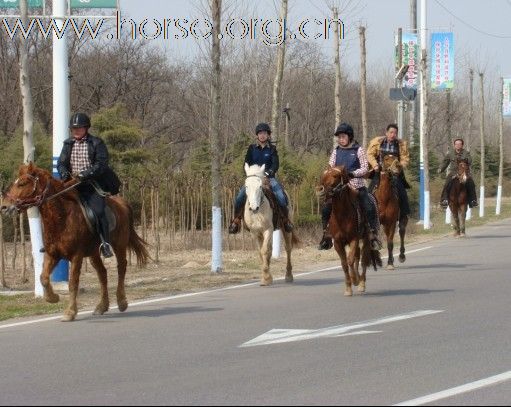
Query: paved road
pixel 187 350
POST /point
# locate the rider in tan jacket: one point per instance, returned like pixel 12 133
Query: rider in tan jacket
pixel 390 144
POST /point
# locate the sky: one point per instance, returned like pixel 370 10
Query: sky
pixel 481 29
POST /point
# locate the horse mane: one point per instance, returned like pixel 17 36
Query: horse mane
pixel 45 176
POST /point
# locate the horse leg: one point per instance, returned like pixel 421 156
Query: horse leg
pixel 122 263
pixel 455 216
pixel 403 221
pixel 390 230
pixel 353 258
pixel 74 281
pixel 49 264
pixel 289 247
pixel 265 246
pixel 463 216
pixel 341 251
pixel 104 303
pixel 362 284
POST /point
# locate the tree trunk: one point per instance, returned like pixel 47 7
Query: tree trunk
pixel 281 55
pixel 24 278
pixel 216 183
pixel 337 64
pixel 363 84
pixel 481 198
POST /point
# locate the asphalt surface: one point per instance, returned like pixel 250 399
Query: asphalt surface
pixel 188 350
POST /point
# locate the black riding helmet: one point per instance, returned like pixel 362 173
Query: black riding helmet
pixel 263 127
pixel 346 129
pixel 79 120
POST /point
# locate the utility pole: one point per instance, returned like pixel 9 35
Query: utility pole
pixel 471 105
pixel 481 197
pixel 413 104
pixel 363 84
pixel 501 147
pixel 216 184
pixel 423 150
pixel 399 84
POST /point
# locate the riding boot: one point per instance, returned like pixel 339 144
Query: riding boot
pixel 444 200
pixel 373 232
pixel 326 240
pixel 106 247
pixel 235 225
pixel 284 213
pixel 471 192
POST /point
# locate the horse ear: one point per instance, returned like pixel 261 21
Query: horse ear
pixel 246 168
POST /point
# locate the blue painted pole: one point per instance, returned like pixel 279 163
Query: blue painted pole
pixel 421 192
pixel 61 271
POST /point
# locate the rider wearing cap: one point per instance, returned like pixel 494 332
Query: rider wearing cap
pixel 85 157
pixel 353 157
pixel 451 160
pixel 262 152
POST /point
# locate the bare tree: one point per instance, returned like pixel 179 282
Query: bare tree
pixel 363 84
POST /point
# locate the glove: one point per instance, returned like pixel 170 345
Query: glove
pixel 66 176
pixel 81 176
pixel 351 175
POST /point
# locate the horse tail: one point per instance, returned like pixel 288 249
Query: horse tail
pixel 136 244
pixel 370 257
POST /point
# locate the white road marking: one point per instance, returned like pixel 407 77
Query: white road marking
pixel 293 335
pixel 458 390
pixel 175 297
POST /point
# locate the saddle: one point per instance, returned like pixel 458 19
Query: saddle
pixel 92 220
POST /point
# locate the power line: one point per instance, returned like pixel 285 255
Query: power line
pixel 470 25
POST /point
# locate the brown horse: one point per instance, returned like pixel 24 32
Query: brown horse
pixel 348 228
pixel 458 198
pixel 67 236
pixel 388 208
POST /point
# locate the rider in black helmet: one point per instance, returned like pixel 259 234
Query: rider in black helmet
pixel 262 152
pixel 85 157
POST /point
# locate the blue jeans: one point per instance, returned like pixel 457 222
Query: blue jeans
pixel 275 187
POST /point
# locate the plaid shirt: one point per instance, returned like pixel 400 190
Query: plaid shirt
pixel 80 160
pixel 358 181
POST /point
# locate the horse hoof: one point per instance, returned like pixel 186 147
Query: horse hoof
pixel 362 288
pixel 462 235
pixel 123 305
pixel 289 279
pixel 456 234
pixel 266 283
pixel 390 267
pixel 402 258
pixel 68 317
pixel 52 299
pixel 348 293
pixel 100 310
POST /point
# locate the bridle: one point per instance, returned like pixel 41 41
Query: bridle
pixel 261 201
pixel 339 187
pixel 33 199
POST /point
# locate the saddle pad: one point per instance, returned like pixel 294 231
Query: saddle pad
pixel 91 220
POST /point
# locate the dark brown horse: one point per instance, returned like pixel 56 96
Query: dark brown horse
pixel 67 236
pixel 458 198
pixel 388 208
pixel 348 228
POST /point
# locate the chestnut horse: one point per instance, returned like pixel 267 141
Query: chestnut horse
pixel 67 236
pixel 258 218
pixel 388 207
pixel 348 228
pixel 458 198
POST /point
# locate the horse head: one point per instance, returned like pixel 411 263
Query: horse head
pixel 391 165
pixel 254 186
pixel 462 171
pixel 333 180
pixel 29 189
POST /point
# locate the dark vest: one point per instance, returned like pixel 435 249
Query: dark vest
pixel 386 148
pixel 348 157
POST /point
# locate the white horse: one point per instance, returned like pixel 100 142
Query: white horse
pixel 258 219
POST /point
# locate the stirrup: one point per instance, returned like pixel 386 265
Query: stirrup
pixel 106 249
pixel 474 204
pixel 325 244
pixel 234 227
pixel 288 227
pixel 444 204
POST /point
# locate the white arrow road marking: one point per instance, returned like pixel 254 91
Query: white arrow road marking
pixel 292 335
